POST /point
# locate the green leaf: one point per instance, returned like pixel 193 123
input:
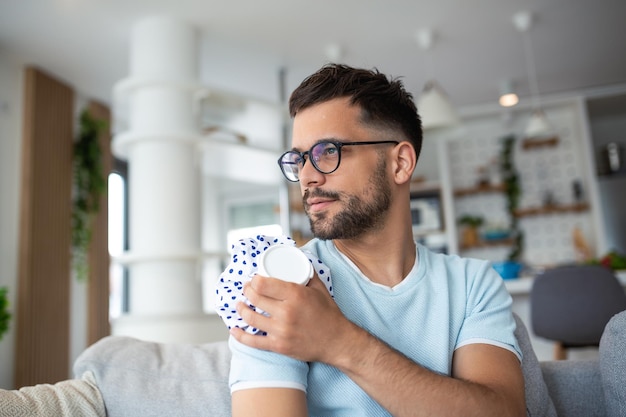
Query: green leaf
pixel 512 192
pixel 5 316
pixel 89 185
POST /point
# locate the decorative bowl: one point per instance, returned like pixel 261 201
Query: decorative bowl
pixel 508 269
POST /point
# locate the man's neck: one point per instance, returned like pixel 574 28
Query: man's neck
pixel 384 257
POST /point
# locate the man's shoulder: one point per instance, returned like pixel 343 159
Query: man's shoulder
pixel 317 246
pixel 455 260
pixel 454 266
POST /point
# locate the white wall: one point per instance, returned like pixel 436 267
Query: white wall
pixel 10 160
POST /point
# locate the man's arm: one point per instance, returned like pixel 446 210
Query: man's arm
pixel 275 402
pixel 305 323
pixel 486 381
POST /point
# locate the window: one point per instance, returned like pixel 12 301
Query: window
pixel 118 239
pixel 248 219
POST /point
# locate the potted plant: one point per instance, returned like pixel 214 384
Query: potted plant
pixel 470 234
pixel 612 260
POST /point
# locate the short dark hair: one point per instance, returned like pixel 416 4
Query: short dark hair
pixel 383 101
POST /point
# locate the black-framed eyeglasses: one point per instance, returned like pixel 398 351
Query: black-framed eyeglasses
pixel 325 157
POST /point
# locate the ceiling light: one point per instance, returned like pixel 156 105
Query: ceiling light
pixel 433 104
pixel 508 98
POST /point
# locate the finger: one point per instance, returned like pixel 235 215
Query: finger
pixel 254 341
pixel 274 288
pixel 315 282
pixel 258 300
pixel 325 281
pixel 252 318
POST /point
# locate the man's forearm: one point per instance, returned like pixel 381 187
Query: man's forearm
pixel 405 388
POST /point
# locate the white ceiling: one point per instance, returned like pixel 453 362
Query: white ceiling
pixel 577 44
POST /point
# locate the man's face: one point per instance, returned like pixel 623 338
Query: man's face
pixel 355 198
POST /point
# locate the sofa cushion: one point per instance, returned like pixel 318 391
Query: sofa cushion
pixel 139 378
pixel 575 387
pixel 538 401
pixel 613 365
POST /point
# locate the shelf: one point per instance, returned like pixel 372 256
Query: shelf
pixel 420 186
pixel 482 244
pixel 479 189
pixel 554 209
pixel 540 143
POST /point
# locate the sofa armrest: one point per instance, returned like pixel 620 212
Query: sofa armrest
pixel 538 401
pixel 575 387
pixel 74 397
pixel 613 365
pixel 140 378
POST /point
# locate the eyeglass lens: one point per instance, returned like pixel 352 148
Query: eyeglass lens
pixel 324 156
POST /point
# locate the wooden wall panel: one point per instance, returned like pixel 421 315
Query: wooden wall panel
pixel 98 286
pixel 43 306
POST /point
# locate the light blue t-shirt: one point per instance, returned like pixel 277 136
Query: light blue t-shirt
pixel 444 303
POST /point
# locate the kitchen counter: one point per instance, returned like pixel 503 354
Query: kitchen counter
pixel 524 284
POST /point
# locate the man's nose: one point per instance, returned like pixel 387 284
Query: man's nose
pixel 310 176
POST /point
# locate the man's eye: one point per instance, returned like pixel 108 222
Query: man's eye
pixel 330 151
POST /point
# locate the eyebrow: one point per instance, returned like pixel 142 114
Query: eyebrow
pixel 331 139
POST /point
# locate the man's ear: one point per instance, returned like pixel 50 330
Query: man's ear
pixel 404 162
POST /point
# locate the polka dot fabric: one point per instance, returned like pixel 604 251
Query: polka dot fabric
pixel 243 266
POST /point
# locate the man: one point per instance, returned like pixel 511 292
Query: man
pixel 408 332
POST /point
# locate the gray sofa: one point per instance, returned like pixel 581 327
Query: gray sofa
pixel 121 376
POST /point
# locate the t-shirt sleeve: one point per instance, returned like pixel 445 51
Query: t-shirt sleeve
pixel 254 368
pixel 488 316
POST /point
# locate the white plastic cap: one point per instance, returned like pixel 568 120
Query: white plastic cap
pixel 287 263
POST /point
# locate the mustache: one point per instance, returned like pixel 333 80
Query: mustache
pixel 318 192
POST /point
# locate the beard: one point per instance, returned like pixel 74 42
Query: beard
pixel 360 215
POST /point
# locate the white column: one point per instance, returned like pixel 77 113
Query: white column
pixel 161 146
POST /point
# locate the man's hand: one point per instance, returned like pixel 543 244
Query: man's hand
pixel 304 321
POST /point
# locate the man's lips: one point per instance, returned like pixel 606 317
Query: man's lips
pixel 318 204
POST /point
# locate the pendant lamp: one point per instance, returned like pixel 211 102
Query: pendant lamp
pixel 539 127
pixel 508 97
pixel 435 108
pixel 433 104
